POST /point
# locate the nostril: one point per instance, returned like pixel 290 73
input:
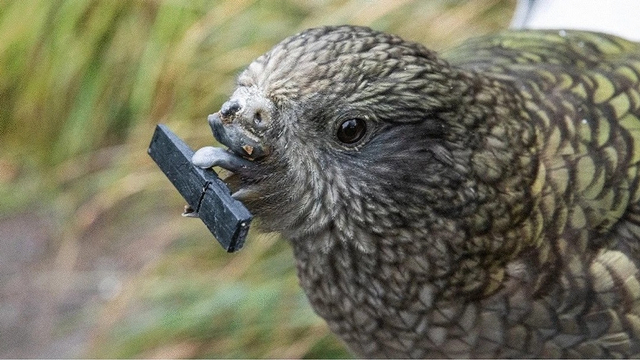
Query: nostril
pixel 257 118
pixel 230 108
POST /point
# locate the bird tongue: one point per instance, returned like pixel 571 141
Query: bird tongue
pixel 210 156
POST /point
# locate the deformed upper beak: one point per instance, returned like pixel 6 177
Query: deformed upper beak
pixel 231 127
pixel 236 138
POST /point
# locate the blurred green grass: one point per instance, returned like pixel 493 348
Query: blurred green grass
pixel 82 85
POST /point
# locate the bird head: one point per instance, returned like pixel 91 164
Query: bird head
pixel 346 134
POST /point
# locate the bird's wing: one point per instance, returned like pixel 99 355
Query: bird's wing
pixel 582 91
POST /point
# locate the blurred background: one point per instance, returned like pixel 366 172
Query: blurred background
pixel 95 259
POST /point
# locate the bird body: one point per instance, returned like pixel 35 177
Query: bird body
pixel 479 203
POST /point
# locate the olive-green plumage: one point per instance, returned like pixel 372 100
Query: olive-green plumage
pixel 491 208
pixel 581 93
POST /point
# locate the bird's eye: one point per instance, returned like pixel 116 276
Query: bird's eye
pixel 351 130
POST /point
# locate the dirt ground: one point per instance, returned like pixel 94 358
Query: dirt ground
pixel 48 308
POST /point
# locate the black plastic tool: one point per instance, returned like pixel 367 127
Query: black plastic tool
pixel 208 196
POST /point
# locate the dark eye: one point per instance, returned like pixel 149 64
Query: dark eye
pixel 351 130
